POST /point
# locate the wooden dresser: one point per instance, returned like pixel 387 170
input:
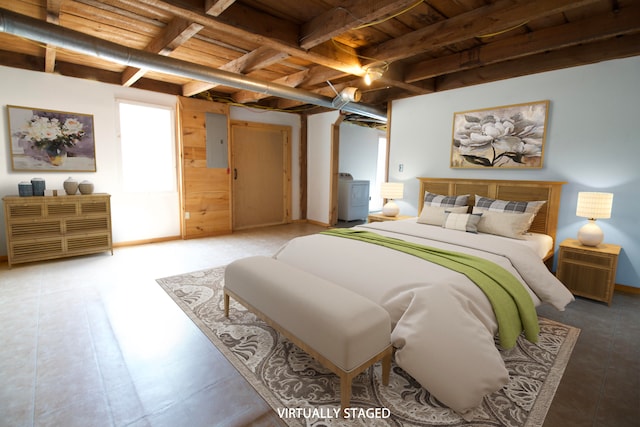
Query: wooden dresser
pixel 39 228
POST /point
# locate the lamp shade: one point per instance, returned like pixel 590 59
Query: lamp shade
pixel 594 205
pixel 392 190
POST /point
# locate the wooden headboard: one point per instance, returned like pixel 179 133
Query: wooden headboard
pixel 545 222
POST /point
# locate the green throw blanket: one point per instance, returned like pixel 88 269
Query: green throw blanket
pixel 512 305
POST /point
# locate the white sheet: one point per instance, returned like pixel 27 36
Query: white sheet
pixel 443 326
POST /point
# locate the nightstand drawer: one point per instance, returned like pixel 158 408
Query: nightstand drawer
pixel 587 258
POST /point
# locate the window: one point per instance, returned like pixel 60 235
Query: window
pixel 148 148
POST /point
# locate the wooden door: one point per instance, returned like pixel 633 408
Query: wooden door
pixel 261 175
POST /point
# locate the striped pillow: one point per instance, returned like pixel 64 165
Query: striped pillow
pixel 432 199
pixel 462 222
pixel 495 205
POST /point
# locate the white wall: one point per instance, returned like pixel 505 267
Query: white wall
pixel 592 143
pixel 319 165
pixel 135 216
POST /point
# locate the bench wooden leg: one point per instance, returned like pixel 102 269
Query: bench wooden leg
pixel 345 392
pixel 226 304
pixel 386 367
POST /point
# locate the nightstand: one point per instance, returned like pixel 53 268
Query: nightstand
pixel 588 271
pixel 378 217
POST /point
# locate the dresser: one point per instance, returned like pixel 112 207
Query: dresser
pixel 40 228
pixel 588 271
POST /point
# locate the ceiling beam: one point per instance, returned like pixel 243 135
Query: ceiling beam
pixel 271 35
pixel 216 7
pixel 176 33
pixel 561 36
pixel 349 14
pixel 254 60
pixel 53 17
pixel 614 48
pixel 496 17
pixel 291 80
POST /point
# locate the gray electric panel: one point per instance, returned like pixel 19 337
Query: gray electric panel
pixel 217 154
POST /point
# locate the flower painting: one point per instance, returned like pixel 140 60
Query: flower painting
pixel 47 140
pixel 511 136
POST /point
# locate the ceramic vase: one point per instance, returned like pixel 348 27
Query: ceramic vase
pixel 86 187
pixel 70 186
pixel 25 189
pixel 38 185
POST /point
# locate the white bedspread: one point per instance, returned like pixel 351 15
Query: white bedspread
pixel 443 326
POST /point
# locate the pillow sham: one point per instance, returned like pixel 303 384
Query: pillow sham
pixel 496 205
pixel 435 215
pixel 507 224
pixel 433 199
pixel 462 222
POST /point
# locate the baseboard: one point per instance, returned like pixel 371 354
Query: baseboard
pixel 322 224
pixel 627 289
pixel 146 241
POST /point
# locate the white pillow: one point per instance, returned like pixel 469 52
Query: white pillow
pixel 507 224
pixel 434 215
pixel 462 222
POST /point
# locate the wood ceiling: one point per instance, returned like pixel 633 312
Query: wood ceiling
pixel 422 46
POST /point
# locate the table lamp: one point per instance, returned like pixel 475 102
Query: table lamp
pixel 391 191
pixel 593 206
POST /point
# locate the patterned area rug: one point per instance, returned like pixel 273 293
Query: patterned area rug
pixel 304 393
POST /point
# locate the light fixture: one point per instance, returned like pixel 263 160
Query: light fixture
pixel 346 95
pixel 593 206
pixel 372 74
pixel 391 191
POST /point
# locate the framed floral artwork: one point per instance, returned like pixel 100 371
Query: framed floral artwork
pixel 511 136
pixel 49 140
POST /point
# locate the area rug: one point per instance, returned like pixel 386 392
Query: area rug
pixel 303 393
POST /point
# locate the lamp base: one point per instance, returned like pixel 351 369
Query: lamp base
pixel 590 234
pixel 390 209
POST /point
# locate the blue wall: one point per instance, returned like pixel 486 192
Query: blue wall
pixel 593 144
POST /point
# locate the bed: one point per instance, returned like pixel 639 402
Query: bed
pixel 445 329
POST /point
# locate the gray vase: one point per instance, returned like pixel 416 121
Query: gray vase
pixel 38 186
pixel 85 187
pixel 70 186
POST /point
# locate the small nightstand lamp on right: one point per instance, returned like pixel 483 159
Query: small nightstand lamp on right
pixel 593 206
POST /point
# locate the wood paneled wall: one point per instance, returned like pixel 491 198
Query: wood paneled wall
pixel 206 192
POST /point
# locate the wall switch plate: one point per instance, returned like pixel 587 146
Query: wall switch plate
pixel 187 215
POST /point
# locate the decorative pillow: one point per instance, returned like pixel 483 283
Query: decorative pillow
pixel 432 199
pixel 495 205
pixel 434 215
pixel 462 222
pixel 507 224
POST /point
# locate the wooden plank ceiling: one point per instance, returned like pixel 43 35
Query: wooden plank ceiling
pixel 421 46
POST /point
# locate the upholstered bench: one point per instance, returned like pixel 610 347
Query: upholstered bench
pixel 342 330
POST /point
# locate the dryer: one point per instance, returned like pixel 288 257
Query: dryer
pixel 353 198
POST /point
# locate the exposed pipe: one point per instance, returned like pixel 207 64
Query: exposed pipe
pixel 44 32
